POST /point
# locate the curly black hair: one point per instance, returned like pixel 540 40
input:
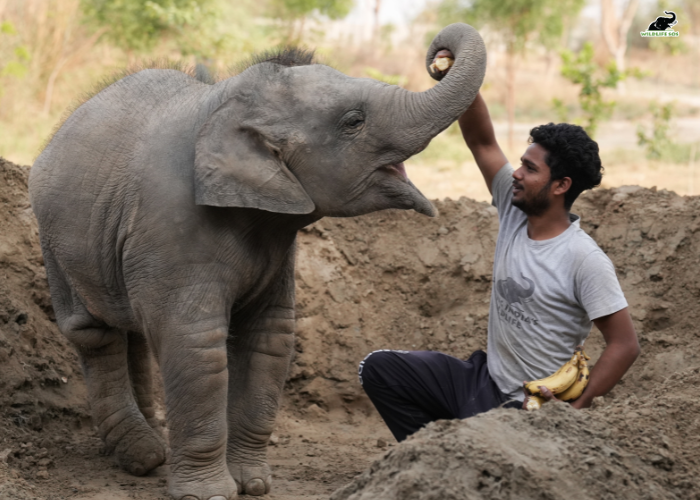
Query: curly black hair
pixel 570 153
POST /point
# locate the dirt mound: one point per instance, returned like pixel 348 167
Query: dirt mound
pixel 39 375
pixel 399 280
pixel 40 381
pixel 390 279
pixel 417 283
pixel 402 281
pixel 621 451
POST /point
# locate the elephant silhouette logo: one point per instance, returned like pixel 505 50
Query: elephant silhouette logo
pixel 663 23
pixel 660 26
pixel 513 292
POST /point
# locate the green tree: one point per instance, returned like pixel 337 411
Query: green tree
pixel 229 31
pixel 13 56
pixel 659 142
pixel 688 25
pixel 14 65
pixel 295 12
pixel 580 69
pixel 518 24
pixel 137 25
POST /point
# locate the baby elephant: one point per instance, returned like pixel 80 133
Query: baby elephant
pixel 168 210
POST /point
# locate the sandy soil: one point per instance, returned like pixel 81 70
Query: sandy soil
pixel 393 280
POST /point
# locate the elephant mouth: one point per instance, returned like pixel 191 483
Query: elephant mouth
pixel 397 169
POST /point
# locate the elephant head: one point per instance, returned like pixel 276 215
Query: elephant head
pixel 513 292
pixel 663 23
pixel 294 137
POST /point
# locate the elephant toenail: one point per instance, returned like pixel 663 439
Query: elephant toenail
pixel 189 497
pixel 218 497
pixel 137 469
pixel 255 487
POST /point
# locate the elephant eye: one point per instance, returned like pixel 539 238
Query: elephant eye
pixel 353 120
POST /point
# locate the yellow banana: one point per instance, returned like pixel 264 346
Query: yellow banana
pixel 534 402
pixel 581 382
pixel 561 380
pixel 441 64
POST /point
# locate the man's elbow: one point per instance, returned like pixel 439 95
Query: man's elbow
pixel 635 350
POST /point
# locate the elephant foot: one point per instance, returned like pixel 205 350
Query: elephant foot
pixel 139 453
pixel 221 488
pixel 158 428
pixel 252 480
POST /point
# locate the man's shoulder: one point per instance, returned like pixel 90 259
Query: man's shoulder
pixel 582 239
pixel 586 258
pixel 581 246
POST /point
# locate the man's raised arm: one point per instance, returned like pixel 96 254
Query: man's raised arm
pixel 478 133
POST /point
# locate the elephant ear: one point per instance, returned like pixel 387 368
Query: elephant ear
pixel 235 166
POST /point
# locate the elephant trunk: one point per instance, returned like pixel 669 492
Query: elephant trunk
pixel 426 114
pixel 672 21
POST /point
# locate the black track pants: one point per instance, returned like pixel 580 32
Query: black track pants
pixel 412 388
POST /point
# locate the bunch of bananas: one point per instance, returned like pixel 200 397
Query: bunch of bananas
pixel 567 383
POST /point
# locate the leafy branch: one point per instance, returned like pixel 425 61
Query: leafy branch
pixel 658 143
pixel 580 69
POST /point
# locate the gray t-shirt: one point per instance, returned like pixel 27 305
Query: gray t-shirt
pixel 545 295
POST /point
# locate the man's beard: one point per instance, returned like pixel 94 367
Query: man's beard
pixel 538 205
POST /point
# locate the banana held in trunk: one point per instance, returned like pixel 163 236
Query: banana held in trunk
pixel 430 112
pixel 442 63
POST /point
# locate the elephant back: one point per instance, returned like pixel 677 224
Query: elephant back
pixel 97 175
pixel 101 141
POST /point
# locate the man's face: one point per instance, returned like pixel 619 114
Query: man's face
pixel 532 182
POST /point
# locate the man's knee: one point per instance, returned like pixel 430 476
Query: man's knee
pixel 370 369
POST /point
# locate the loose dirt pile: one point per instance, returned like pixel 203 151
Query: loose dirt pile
pixel 402 281
pixel 630 449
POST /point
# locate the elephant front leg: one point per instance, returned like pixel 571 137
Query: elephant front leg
pixel 258 372
pixel 195 377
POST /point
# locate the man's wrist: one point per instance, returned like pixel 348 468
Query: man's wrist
pixel 582 402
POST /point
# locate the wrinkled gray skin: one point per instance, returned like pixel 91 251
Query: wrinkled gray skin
pixel 168 210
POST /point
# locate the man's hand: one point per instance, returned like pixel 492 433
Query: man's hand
pixel 545 393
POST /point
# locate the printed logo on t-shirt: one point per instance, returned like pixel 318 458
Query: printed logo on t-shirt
pixel 512 308
pixel 513 292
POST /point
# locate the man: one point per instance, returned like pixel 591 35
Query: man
pixel 550 281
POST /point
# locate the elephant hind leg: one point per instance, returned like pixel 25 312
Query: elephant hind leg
pixel 103 357
pixel 141 376
pixel 120 422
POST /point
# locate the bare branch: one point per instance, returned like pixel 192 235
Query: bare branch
pixel 627 19
pixel 608 24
